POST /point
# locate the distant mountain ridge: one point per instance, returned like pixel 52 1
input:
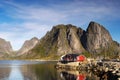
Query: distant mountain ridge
pixel 5 47
pixel 28 45
pixel 63 39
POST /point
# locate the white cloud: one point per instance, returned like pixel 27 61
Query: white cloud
pixel 61 12
pixel 35 13
pixel 41 15
pixel 15 41
pixel 17 35
pixel 37 20
pixel 68 12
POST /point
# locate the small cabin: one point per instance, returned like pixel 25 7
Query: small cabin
pixel 72 58
pixel 81 58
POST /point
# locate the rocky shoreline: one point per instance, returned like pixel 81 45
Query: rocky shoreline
pixel 103 69
pixel 106 69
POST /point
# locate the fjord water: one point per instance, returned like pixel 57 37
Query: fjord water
pixel 39 70
pixel 27 70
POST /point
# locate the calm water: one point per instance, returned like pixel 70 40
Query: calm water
pixel 27 70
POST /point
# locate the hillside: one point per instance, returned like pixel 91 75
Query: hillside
pixel 95 41
pixel 63 39
pixel 5 48
pixel 28 45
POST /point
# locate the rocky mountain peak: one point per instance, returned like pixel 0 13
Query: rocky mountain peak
pixel 95 28
pixel 64 39
pixel 5 47
pixel 97 37
pixel 68 39
pixel 28 44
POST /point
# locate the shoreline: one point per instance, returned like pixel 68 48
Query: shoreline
pixel 26 60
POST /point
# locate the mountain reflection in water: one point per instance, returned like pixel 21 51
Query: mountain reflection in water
pixel 43 70
pixel 68 76
pixel 86 75
pixel 15 73
pixel 27 70
pixel 76 75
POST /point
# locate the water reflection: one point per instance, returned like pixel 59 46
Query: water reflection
pixel 76 75
pixel 45 71
pixel 15 73
pixel 86 75
pixel 37 71
pixel 68 76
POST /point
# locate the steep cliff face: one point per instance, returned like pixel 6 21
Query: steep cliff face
pixel 74 35
pixel 5 47
pixel 97 38
pixel 63 39
pixel 69 40
pixel 28 44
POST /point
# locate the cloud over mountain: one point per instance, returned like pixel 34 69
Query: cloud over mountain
pixel 33 17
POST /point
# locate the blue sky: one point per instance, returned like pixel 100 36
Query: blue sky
pixel 21 20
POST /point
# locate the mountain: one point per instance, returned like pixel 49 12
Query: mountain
pixel 5 47
pixel 63 39
pixel 97 37
pixel 28 44
pixel 98 40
